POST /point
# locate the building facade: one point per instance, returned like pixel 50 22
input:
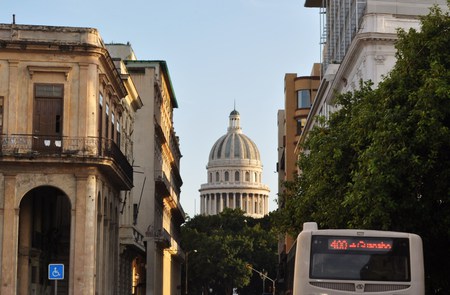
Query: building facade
pixel 84 181
pixel 299 94
pixel 359 43
pixel 234 175
pixel 154 210
pixel 65 159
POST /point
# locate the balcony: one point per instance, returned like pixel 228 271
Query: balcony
pixel 162 183
pixel 131 237
pixel 163 238
pixel 159 235
pixel 90 150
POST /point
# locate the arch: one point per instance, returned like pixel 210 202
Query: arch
pixel 44 237
pixel 60 182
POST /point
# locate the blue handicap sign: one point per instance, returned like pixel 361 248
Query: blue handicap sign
pixel 56 271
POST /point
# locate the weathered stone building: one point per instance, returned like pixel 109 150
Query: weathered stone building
pixel 66 118
pixel 154 207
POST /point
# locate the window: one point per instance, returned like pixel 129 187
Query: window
pixel 236 176
pixel 118 134
pixel 247 176
pixel 48 109
pixel 100 115
pixel 1 114
pixel 303 99
pixel 301 123
pixel 217 177
pixel 107 122
pixel 227 176
pixel 367 264
pixel 112 125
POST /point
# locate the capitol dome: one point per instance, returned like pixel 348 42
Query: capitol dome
pixel 234 145
pixel 234 174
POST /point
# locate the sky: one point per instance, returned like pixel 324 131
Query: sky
pixel 220 54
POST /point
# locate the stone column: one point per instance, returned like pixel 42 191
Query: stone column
pixel 9 243
pixel 213 203
pixel 80 259
pixel 90 232
pixel 266 204
pixel 201 204
pixel 220 202
pixel 25 225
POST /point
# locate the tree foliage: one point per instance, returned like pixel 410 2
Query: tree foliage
pixel 383 160
pixel 225 244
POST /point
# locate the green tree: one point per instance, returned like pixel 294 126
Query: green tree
pixel 382 161
pixel 225 244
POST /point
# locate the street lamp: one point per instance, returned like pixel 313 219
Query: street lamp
pixel 263 276
pixel 187 260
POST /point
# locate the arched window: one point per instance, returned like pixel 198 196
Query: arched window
pixel 210 177
pixel 227 176
pixel 247 176
pixel 236 176
pixel 217 176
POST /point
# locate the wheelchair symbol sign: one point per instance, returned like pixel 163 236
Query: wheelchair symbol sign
pixel 56 271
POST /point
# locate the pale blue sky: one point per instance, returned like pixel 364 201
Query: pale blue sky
pixel 218 53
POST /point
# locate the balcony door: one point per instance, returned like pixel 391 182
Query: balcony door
pixel 47 121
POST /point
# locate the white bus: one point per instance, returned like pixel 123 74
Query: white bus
pixel 346 261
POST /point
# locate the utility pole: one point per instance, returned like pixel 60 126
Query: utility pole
pixel 187 264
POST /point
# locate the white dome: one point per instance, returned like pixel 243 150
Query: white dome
pixel 234 173
pixel 234 145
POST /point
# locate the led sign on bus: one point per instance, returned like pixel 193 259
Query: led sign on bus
pixel 358 244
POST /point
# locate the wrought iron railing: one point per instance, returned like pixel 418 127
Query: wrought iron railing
pixel 35 146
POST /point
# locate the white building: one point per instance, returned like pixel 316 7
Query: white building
pixel 359 43
pixel 234 173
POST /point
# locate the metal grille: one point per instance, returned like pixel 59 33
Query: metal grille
pixel 335 286
pixel 384 287
pixel 367 287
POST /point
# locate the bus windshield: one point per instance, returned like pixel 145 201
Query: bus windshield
pixel 360 258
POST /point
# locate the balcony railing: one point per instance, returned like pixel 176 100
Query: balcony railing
pixel 35 146
pixel 162 183
pixel 167 186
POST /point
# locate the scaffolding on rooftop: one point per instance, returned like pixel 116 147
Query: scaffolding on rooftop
pixel 340 20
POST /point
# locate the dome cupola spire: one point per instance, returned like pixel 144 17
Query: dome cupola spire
pixel 234 122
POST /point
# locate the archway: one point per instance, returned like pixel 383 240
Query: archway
pixel 44 238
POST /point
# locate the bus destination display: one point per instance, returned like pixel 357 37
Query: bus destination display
pixel 358 244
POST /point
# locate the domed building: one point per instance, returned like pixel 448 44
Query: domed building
pixel 234 173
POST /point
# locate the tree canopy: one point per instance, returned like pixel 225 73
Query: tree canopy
pixel 382 161
pixel 225 244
